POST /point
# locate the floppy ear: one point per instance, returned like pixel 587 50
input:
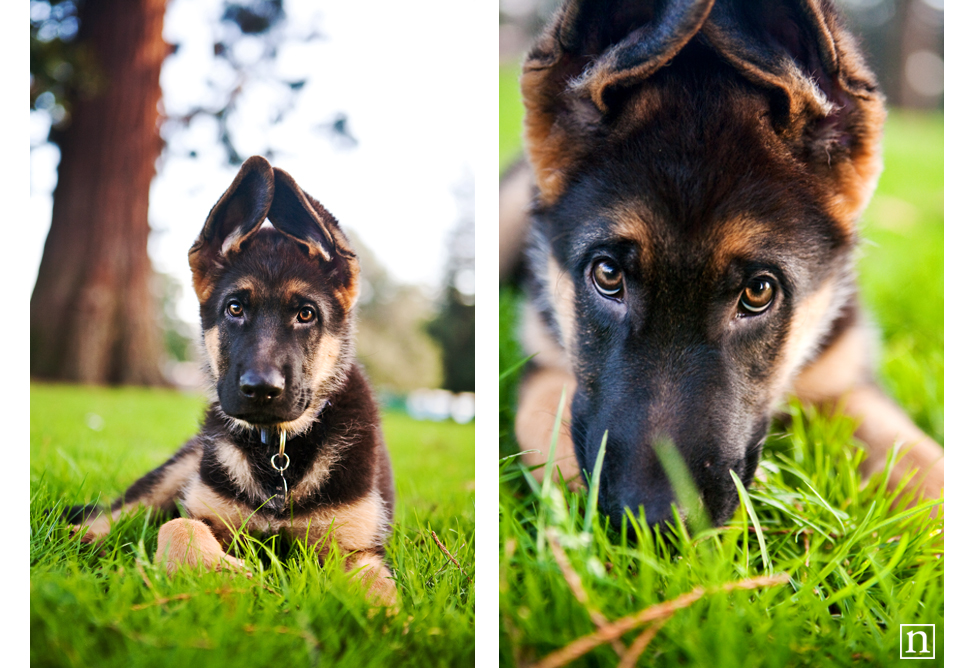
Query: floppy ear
pixel 306 221
pixel 294 215
pixel 824 100
pixel 589 50
pixel 235 218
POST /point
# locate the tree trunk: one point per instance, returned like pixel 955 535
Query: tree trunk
pixel 93 313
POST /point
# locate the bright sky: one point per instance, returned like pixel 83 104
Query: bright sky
pixel 399 73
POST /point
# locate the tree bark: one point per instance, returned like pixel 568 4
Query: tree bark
pixel 93 314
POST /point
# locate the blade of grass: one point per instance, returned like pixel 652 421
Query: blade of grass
pixel 749 507
pixel 594 486
pixel 688 498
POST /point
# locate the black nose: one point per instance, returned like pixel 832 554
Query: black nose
pixel 262 385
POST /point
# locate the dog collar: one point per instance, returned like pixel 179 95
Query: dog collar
pixel 284 459
pixel 280 461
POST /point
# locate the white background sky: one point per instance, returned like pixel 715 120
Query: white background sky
pixel 397 71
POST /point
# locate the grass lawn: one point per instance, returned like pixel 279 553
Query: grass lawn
pixel 858 567
pixel 110 606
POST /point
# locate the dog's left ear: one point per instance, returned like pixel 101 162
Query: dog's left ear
pixel 824 101
pixel 306 221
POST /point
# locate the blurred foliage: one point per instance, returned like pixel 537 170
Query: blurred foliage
pixel 61 69
pixel 247 37
pixel 392 343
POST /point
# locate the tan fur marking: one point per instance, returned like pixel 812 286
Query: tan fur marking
pixel 630 225
pixel 374 574
pixel 187 542
pixel 546 144
pixel 806 330
pixel 562 295
pixel 201 502
pixel 318 474
pixel 356 526
pixel 325 359
pixel 174 478
pixel 738 238
pixel 347 296
pixel 296 287
pixel 537 341
pixel 855 179
pixel 882 426
pixel 539 398
pixel 237 466
pixel 211 339
pixel 842 366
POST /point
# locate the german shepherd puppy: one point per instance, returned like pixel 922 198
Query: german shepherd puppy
pixel 291 442
pixel 696 169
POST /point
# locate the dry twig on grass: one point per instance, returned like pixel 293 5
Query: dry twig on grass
pixel 576 585
pixel 445 550
pixel 660 611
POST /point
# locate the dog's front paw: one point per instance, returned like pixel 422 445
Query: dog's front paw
pixel 376 578
pixel 94 532
pixel 190 542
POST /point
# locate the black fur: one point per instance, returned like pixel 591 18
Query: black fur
pixel 695 147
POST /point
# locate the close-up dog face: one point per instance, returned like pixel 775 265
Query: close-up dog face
pixel 694 226
pixel 276 303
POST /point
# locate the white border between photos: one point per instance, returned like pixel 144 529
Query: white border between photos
pixel 956 204
pixel 484 122
pixel 14 335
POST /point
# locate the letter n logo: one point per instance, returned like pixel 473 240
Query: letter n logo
pixel 917 641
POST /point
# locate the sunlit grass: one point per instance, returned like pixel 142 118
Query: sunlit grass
pixel 110 606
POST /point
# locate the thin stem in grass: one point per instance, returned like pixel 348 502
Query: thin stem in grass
pixel 688 498
pixel 749 507
pixel 594 486
pixel 448 554
pixel 547 474
pixel 515 367
pixel 639 646
pixel 660 611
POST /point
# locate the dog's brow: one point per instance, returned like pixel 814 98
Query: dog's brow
pixel 738 237
pixel 298 287
pixel 245 284
pixel 630 223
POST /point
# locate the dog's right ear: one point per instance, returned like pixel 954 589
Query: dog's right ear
pixel 589 50
pixel 235 218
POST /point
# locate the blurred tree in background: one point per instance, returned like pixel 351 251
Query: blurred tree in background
pixel 454 325
pixel 391 342
pixel 92 313
pixel 95 312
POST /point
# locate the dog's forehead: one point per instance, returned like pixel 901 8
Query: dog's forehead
pixel 271 269
pixel 282 290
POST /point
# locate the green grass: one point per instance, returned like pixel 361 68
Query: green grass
pixel 110 606
pixel 859 566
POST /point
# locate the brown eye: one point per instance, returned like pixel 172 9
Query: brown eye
pixel 608 278
pixel 234 308
pixel 757 296
pixel 306 314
